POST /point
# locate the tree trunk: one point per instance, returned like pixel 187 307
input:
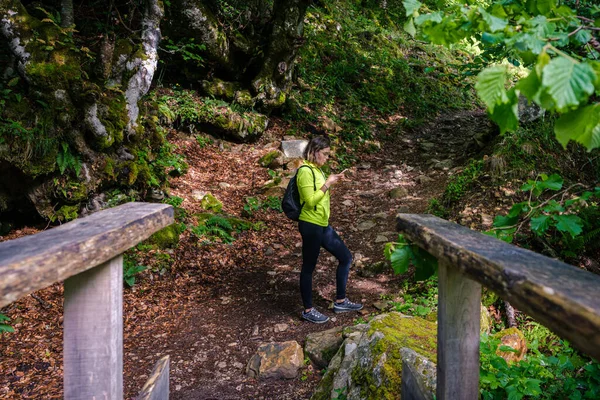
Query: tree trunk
pixel 74 128
pixel 66 13
pixel 273 81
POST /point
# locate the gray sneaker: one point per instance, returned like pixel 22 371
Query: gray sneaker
pixel 346 306
pixel 314 316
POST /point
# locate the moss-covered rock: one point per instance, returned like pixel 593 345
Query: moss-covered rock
pixel 211 203
pixel 368 364
pixel 512 337
pixel 166 238
pixel 273 159
pixel 221 89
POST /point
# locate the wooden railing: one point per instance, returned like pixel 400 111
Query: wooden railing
pixel 87 255
pixel 562 297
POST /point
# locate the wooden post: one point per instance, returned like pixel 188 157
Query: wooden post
pixel 93 333
pixel 459 300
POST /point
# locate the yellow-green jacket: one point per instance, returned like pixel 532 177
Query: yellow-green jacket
pixel 316 203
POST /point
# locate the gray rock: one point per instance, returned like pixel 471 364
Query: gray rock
pixel 422 179
pixel 381 239
pixel 418 375
pixel 348 203
pixel 371 270
pixel 442 165
pixel 276 361
pixel 398 193
pixel 529 112
pixel 322 346
pixel 280 327
pixel 381 215
pixel 293 148
pixel 366 225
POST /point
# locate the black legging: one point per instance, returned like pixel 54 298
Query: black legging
pixel 313 238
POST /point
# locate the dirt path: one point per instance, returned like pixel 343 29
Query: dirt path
pixel 216 304
pixel 219 330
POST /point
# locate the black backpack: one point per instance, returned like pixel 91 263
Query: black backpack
pixel 291 198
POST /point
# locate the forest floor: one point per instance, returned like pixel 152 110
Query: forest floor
pixel 216 303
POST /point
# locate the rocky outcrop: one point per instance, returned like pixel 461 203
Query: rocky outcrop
pixel 368 364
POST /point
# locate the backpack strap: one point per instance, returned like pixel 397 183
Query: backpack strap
pixel 314 180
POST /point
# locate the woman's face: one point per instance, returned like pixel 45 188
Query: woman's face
pixel 322 156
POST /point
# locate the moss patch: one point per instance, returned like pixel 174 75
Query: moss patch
pixel 166 238
pixel 398 332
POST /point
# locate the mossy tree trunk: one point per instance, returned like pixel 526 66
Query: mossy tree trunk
pixel 255 47
pixel 71 125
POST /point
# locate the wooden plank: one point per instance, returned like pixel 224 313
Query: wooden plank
pixel 459 300
pixel 93 333
pixel 157 386
pixel 37 261
pixel 562 297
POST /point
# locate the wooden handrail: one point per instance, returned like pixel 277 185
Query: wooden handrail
pixel 34 262
pixel 87 255
pixel 560 296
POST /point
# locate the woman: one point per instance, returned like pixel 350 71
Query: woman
pixel 316 232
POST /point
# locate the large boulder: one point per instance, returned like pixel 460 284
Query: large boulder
pixel 320 347
pixel 294 148
pixel 368 364
pixel 276 361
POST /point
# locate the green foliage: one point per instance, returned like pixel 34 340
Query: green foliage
pixel 557 40
pixel 553 214
pixel 130 269
pixel 418 300
pixel 357 64
pixel 565 375
pixel 459 184
pixel 4 326
pixel 254 204
pixel 216 228
pixel 401 254
pixel 203 141
pixel 187 49
pixel 67 161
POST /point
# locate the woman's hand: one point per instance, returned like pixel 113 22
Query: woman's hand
pixel 332 180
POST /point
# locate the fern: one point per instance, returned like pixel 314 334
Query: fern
pixel 592 238
pixel 216 227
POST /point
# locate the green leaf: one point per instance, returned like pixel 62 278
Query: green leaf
pixel 540 224
pixel 545 6
pixel 399 259
pixel 425 264
pixel 506 235
pixel 494 23
pixel 553 182
pixel 501 221
pixel 530 86
pixel 554 206
pixel 490 86
pixel 571 224
pixel 506 115
pixel 409 27
pixel 411 7
pixel 568 82
pixel 583 36
pixel 581 125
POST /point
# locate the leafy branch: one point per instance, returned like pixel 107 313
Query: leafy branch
pixel 556 41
